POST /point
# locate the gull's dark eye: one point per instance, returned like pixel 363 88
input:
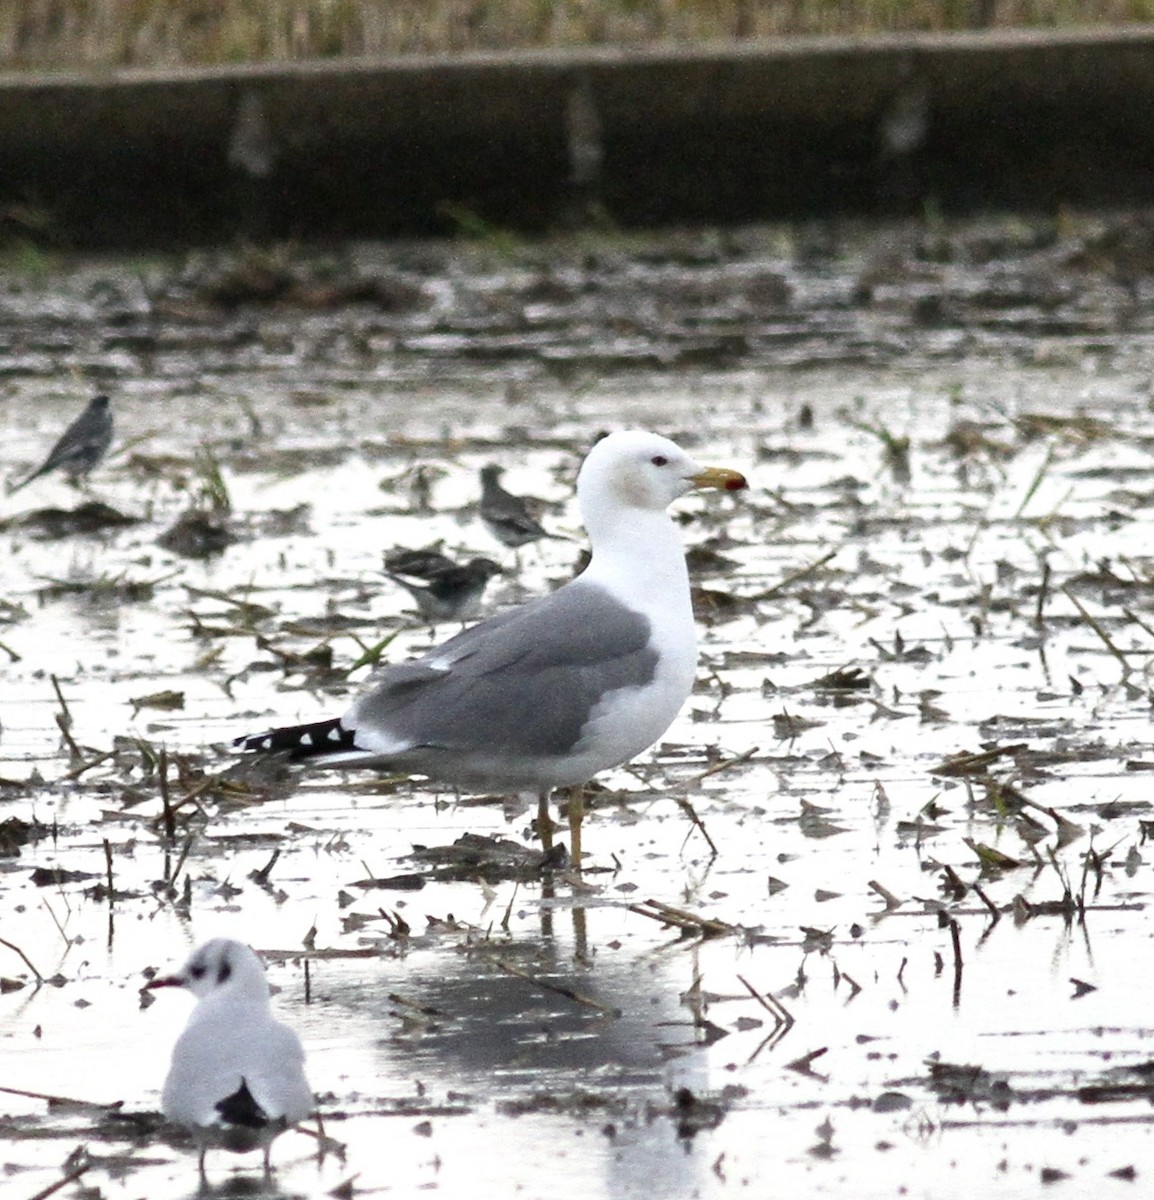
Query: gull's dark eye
pixel 659 460
pixel 197 971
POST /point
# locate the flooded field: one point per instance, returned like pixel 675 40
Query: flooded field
pixel 872 920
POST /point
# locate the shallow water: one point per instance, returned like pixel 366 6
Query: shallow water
pixel 441 1058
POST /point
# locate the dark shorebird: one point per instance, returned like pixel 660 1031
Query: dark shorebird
pixel 506 516
pixel 445 591
pixel 80 447
pixel 547 694
pixel 417 564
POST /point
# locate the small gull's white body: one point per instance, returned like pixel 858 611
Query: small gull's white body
pixel 570 684
pixel 237 1075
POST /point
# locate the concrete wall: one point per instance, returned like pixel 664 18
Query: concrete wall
pixel 529 140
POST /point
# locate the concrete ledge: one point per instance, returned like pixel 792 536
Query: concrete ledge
pixel 714 133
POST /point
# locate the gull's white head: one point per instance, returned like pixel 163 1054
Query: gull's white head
pixel 636 469
pixel 219 965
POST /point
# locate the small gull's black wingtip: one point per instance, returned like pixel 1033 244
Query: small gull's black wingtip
pixel 241 1108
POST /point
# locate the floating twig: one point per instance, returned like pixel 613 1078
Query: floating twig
pixel 165 798
pixel 657 910
pixel 65 1179
pixel 1043 594
pixel 88 764
pixel 74 750
pixel 956 941
pixel 65 713
pixel 398 926
pixel 725 765
pixel 560 989
pixel 184 850
pixel 261 876
pixel 324 1142
pixel 108 868
pixel 891 901
pixel 69 1101
pixel 772 1005
pixel 974 763
pixel 687 808
pixel 27 961
pixel 1097 628
pixel 990 905
pixel 796 576
pixel 509 909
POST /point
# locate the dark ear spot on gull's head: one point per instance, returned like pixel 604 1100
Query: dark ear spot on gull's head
pixel 219 962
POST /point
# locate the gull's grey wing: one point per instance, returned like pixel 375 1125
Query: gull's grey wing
pixel 522 683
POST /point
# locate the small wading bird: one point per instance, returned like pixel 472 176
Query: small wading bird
pixel 506 516
pixel 450 592
pixel 572 683
pixel 417 564
pixel 80 447
pixel 237 1076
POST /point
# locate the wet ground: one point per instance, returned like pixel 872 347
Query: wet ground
pixel 871 921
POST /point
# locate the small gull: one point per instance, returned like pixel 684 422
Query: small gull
pixel 80 447
pixel 506 516
pixel 452 592
pixel 555 690
pixel 237 1076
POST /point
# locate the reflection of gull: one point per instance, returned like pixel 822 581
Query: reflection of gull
pixel 562 1041
pixel 237 1076
pixel 565 686
pixel 80 447
pixel 251 146
pixel 903 125
pixel 584 134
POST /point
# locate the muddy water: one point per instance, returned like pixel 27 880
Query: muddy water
pixel 909 944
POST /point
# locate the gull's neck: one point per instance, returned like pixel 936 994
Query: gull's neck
pixel 637 554
pixel 239 992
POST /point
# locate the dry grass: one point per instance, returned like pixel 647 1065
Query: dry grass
pixel 71 33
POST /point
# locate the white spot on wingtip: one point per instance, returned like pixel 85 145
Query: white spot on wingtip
pixel 306 739
pixel 334 734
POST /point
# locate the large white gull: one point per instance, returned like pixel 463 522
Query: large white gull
pixel 556 690
pixel 237 1077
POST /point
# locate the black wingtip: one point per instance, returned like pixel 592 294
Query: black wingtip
pixel 301 741
pixel 242 1109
